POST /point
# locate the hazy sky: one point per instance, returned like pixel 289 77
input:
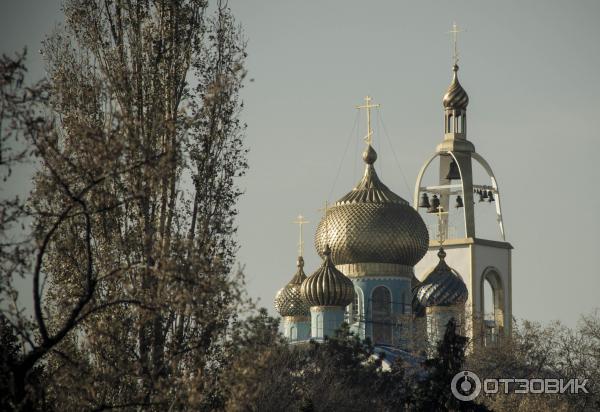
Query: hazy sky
pixel 532 71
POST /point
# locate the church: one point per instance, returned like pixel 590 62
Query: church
pixel 388 275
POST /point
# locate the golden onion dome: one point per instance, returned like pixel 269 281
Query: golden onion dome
pixel 372 224
pixel 289 301
pixel 442 287
pixel 456 97
pixel 328 286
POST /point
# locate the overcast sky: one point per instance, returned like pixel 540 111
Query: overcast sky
pixel 532 73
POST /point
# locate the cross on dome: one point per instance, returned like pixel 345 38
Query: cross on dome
pixel 369 137
pixel 300 221
pixel 454 32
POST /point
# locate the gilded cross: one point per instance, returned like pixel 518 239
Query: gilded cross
pixel 300 221
pixel 368 106
pixel 441 233
pixel 454 32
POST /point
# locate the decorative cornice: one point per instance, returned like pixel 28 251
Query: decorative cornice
pixel 434 244
pixel 375 270
pixel 327 308
pixel 296 318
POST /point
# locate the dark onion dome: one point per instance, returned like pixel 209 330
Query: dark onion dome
pixel 372 224
pixel 289 301
pixel 328 286
pixel 442 287
pixel 456 97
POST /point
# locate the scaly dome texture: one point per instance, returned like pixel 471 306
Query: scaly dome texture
pixel 372 224
pixel 328 286
pixel 456 97
pixel 442 287
pixel 289 301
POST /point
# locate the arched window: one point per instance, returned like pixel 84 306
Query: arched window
pixel 356 307
pixel 353 310
pixel 492 305
pixel 319 321
pixel 293 333
pixel 381 315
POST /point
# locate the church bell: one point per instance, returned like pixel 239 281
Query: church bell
pixel 424 201
pixel 490 196
pixel 481 194
pixel 453 173
pixel 435 204
pixel 459 202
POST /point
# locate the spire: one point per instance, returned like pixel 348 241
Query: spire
pixel 455 100
pixel 455 97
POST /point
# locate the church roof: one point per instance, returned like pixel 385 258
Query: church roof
pixel 443 286
pixel 289 301
pixel 328 286
pixel 456 97
pixel 372 224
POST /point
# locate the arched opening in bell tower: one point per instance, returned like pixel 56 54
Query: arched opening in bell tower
pixel 449 123
pixel 492 306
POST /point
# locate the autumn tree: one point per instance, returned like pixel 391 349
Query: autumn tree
pixel 342 373
pixel 138 145
pixel 433 392
pixel 23 127
pixel 536 351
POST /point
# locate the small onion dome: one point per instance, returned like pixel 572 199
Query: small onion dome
pixel 328 286
pixel 456 97
pixel 442 287
pixel 289 301
pixel 372 224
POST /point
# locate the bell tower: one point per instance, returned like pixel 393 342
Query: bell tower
pixel 478 260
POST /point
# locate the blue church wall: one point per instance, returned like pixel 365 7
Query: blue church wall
pixel 325 320
pixel 296 330
pixel 371 320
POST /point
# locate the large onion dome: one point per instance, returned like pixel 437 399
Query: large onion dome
pixel 442 287
pixel 328 286
pixel 289 301
pixel 456 97
pixel 372 224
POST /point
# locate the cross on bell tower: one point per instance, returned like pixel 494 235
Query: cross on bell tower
pixel 454 32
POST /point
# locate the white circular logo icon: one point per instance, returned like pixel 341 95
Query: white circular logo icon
pixel 465 386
